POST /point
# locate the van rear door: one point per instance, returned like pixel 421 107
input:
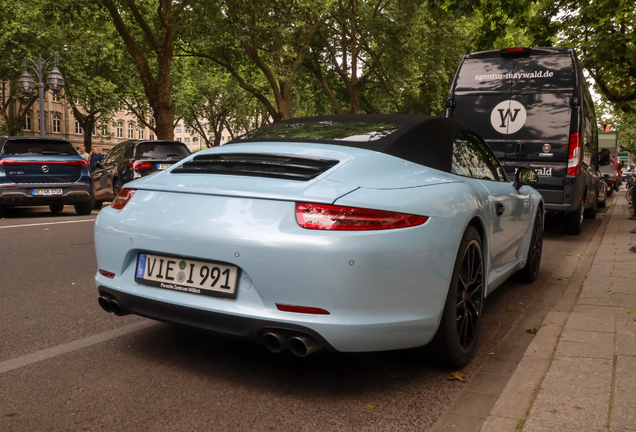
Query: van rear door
pixel 481 84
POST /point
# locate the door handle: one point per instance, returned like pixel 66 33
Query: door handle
pixel 521 150
pixel 499 208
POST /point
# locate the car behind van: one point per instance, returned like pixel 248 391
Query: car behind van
pixel 533 108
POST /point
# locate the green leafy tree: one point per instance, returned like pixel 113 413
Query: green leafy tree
pixel 147 29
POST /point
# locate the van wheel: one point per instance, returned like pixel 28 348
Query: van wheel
pixel 573 220
pixel 591 212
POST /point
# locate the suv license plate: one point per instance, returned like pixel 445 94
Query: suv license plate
pixel 46 192
pixel 187 275
pixel 163 166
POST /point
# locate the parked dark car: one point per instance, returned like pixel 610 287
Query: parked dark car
pixel 131 160
pixel 533 108
pixel 37 171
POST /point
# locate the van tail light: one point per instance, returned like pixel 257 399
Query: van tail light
pixel 139 165
pixel 575 151
pixel 122 198
pixel 331 217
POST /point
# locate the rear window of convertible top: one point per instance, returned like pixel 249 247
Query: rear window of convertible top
pixel 37 148
pixel 323 131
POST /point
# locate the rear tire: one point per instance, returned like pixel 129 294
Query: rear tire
pixel 56 208
pixel 97 205
pixel 591 212
pixel 574 220
pixel 531 270
pixel 85 208
pixel 455 340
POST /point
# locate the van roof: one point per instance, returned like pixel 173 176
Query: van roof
pixel 518 52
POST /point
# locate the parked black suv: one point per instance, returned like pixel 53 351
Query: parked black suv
pixel 533 108
pixel 131 160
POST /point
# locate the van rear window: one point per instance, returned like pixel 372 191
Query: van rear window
pixel 537 73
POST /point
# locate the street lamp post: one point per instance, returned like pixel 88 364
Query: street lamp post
pixel 55 80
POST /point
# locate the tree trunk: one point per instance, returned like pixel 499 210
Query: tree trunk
pixel 164 117
pixel 88 133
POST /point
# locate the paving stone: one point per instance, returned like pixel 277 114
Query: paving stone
pixel 456 422
pixel 576 375
pixel 626 326
pixel 624 396
pixel 623 417
pixel 586 344
pixel 492 385
pixel 500 424
pixel 506 352
pixel 516 399
pixel 599 310
pixel 589 322
pixel 496 366
pixel 520 340
pixel 600 301
pixel 534 425
pixel 626 345
pixel 626 371
pixel 474 404
pixel 583 410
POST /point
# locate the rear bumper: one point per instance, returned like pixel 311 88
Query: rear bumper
pixel 247 328
pixel 23 195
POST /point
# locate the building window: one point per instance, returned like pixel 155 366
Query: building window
pixel 104 128
pixel 27 122
pixel 120 129
pixel 55 97
pixel 151 136
pixel 57 123
pixel 78 128
pixel 178 129
pixel 131 131
pixel 188 130
pixel 179 139
pixel 187 140
pixel 141 133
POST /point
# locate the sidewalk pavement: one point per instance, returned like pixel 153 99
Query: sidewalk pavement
pixel 579 371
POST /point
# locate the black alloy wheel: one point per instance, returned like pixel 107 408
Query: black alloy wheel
pixel 457 334
pixel 531 270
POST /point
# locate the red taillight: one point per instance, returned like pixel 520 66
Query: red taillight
pixel 139 165
pixel 515 51
pixel 301 309
pixel 331 217
pixel 122 198
pixel 107 274
pixel 10 187
pixel 574 154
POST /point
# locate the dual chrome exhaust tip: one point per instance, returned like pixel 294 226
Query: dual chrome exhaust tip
pixel 299 344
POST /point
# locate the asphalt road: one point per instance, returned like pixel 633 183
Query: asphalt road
pixel 66 365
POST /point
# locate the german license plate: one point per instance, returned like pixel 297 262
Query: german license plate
pixel 163 166
pixel 187 275
pixel 46 191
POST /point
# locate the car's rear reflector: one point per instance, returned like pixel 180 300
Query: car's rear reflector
pixel 512 51
pixel 301 309
pixel 122 198
pixel 107 274
pixel 574 154
pixel 332 217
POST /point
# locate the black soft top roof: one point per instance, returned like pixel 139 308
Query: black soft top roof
pixel 421 139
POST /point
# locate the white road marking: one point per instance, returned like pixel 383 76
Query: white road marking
pixel 48 353
pixel 47 223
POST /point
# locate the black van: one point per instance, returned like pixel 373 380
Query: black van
pixel 533 108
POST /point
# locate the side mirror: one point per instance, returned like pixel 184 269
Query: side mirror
pixel 604 157
pixel 525 177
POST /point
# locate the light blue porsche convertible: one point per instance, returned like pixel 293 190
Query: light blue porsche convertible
pixel 351 233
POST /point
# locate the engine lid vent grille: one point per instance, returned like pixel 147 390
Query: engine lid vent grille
pixel 257 165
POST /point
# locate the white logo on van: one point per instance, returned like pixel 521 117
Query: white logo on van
pixel 508 117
